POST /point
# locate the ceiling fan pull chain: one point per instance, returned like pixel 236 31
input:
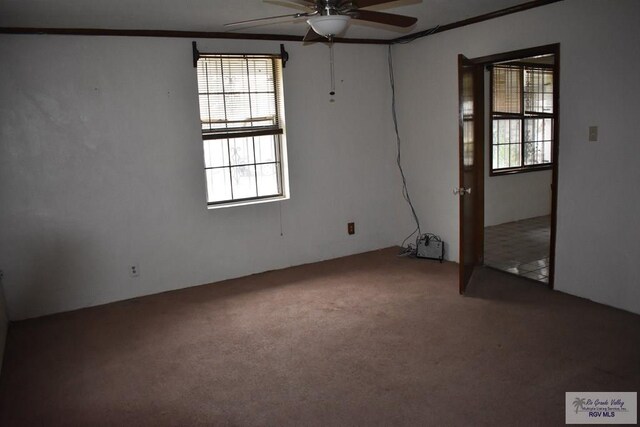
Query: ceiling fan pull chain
pixel 333 79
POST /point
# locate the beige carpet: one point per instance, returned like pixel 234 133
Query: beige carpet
pixel 370 339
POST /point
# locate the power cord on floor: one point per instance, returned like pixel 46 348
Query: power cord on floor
pixel 409 250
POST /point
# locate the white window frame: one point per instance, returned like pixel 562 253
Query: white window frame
pixel 232 132
pixel 521 117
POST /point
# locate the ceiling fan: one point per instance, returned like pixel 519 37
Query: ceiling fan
pixel 328 18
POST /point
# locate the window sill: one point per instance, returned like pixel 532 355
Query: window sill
pixel 247 202
pixel 521 170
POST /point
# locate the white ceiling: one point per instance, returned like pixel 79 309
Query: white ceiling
pixel 210 15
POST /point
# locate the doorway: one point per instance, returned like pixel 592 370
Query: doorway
pixel 518 165
pixel 514 142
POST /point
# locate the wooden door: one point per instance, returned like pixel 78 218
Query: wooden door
pixel 470 92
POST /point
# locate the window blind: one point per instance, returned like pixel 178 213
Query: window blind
pixel 522 116
pixel 238 95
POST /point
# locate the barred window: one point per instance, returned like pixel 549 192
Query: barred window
pixel 522 117
pixel 242 117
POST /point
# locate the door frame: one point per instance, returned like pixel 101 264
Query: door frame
pixel 479 156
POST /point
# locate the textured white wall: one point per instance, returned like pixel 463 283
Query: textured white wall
pixel 514 197
pixel 101 166
pixel 101 161
pixel 598 241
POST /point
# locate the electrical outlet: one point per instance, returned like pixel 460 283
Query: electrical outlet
pixel 134 270
pixel 593 133
pixel 351 228
pixel 1 275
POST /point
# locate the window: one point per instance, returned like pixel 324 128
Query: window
pixel 467 120
pixel 522 117
pixel 242 120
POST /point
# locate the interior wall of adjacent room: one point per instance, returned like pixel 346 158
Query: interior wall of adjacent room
pixel 598 86
pixel 516 197
pixel 101 167
pixel 511 197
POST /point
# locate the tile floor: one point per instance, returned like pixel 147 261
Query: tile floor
pixel 520 247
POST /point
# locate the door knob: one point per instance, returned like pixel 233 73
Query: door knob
pixel 461 191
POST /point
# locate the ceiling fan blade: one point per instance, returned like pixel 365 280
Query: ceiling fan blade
pixel 296 4
pixel 305 2
pixel 250 21
pixel 312 36
pixel 383 18
pixel 366 3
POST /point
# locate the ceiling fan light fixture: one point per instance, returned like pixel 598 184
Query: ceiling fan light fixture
pixel 329 25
